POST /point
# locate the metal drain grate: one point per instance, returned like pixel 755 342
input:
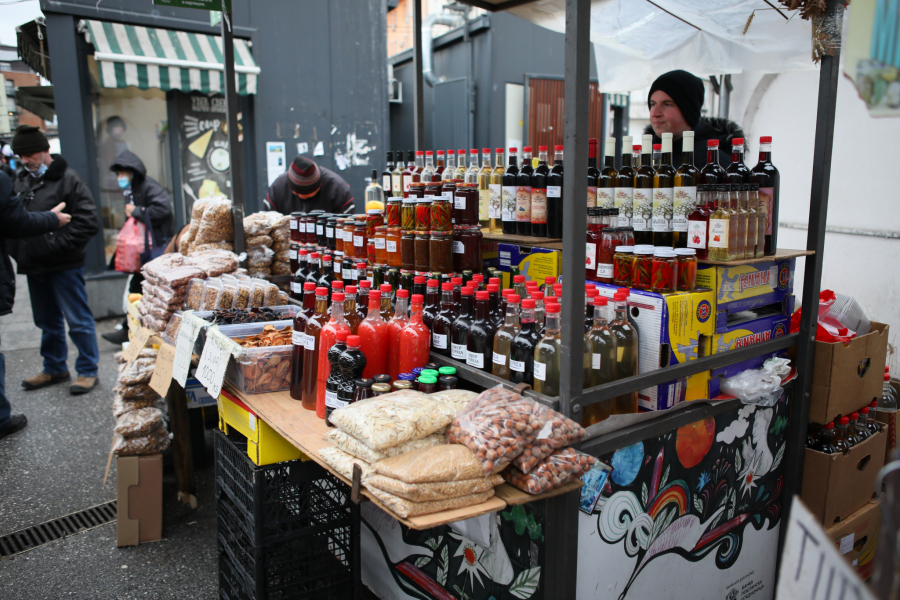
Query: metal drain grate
pixel 38 535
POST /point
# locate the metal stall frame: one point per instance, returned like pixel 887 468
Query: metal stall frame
pixel 563 572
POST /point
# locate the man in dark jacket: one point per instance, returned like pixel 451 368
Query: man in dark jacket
pixel 16 222
pixel 306 187
pixel 675 100
pixel 54 262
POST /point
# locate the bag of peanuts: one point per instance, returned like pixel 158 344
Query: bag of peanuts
pixel 449 462
pixel 496 426
pixel 559 432
pixel 556 470
pixel 429 492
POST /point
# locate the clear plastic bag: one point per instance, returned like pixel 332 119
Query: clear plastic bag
pixel 457 399
pixel 840 318
pixel 215 262
pixel 139 422
pixel 260 273
pixel 258 240
pixel 211 293
pixel 280 236
pixel 154 443
pixel 272 295
pixel 406 508
pixel 194 297
pixel 496 426
pixel 448 462
pixel 138 391
pixel 163 314
pixel 227 297
pixel 556 470
pixel 260 256
pixel 164 263
pixel 179 277
pixel 259 292
pixel 283 298
pixel 351 445
pixel 429 492
pixel 140 371
pixel 559 432
pixel 154 324
pixel 217 224
pixel 343 463
pixel 125 405
pixel 282 247
pixel 214 246
pixel 171 332
pixel 260 223
pixel 244 295
pixel 754 386
pixel 281 268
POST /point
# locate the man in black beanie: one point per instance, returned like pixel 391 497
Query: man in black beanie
pixel 675 101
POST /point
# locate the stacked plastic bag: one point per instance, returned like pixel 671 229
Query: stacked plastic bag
pixel 267 239
pixel 212 226
pixel 140 420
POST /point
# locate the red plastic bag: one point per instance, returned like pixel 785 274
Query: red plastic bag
pixel 828 328
pixel 129 246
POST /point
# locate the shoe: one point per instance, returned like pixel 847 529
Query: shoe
pixel 43 380
pixel 82 385
pixel 16 423
pixel 116 337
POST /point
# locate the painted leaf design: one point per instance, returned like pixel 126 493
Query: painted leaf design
pixel 644 494
pixel 534 529
pixel 732 503
pixel 443 565
pixel 716 520
pixel 737 460
pixel 433 543
pixel 422 561
pixel 665 477
pixel 525 583
pixel 778 456
pixel 698 504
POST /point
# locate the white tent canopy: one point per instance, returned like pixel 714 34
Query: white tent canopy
pixel 635 41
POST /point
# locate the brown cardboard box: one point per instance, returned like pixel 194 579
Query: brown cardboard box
pixel 856 536
pixel 837 485
pixel 848 376
pixel 138 499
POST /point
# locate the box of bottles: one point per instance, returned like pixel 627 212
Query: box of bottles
pixel 671 328
pixel 746 287
pixel 856 538
pixel 532 262
pixel 490 254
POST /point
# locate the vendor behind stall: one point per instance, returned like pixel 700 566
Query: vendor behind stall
pixel 675 100
pixel 305 187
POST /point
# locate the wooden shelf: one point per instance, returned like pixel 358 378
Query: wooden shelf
pixel 780 254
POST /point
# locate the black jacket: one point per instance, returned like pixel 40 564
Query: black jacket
pixel 148 195
pixel 334 196
pixel 709 128
pixel 59 249
pixel 16 222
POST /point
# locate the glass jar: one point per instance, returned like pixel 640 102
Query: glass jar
pixel 641 268
pixel 423 213
pixel 448 187
pixel 423 263
pixel 330 241
pixel 622 265
pixel 447 382
pixel 687 269
pixel 663 271
pixel 349 228
pixel 401 384
pixel 467 248
pixel 440 251
pixel 296 234
pixel 441 214
pixel 465 204
pixel 370 251
pixel 380 242
pixel 359 240
pixel 427 384
pixel 626 235
pixel 374 218
pixel 408 250
pixel 292 256
pixel 321 220
pixel 392 241
pixel 408 213
pixel 311 219
pixel 363 390
pixel 380 389
pixel 392 211
pixel 339 234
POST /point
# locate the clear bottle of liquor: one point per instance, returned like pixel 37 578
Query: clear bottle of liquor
pixel 461 165
pixel 428 170
pixel 604 353
pixel 374 192
pixel 484 188
pixel 547 355
pixel 472 171
pixel 504 337
pixel 737 225
pixel 397 175
pixel 748 212
pixel 450 170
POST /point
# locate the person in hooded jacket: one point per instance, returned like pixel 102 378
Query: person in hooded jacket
pixel 16 222
pixel 675 100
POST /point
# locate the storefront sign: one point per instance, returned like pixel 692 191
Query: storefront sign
pixel 217 351
pixel 200 4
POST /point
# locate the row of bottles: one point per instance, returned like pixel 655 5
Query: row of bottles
pixel 844 432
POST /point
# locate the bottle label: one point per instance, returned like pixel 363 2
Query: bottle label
pixel 458 351
pixel 407 179
pixel 310 343
pixel 590 260
pixel 447 196
pixel 296 288
pixel 517 365
pixel 718 233
pixel 379 243
pixel 298 338
pixel 391 245
pixel 458 247
pixel 331 400
pixel 554 191
pixel 606 197
pixel 320 230
pixel 396 183
pixel 499 359
pixel 623 201
pixel 538 205
pixel 292 254
pixel 766 202
pixel 523 204
pixel 347 273
pixel 508 202
pixel 540 371
pixel 475 359
pixel 310 228
pixel 329 232
pixel 604 271
pixel 386 182
pixel 663 199
pixel 439 341
pixel 459 202
pixel 293 224
pixel 358 241
pixel 495 210
pixel 484 202
pixel 684 204
pixel 592 196
pixel 642 210
pixel 595 361
pixel 696 234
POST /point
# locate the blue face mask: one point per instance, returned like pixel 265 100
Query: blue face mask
pixel 41 170
pixel 124 183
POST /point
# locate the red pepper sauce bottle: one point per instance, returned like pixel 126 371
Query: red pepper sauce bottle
pixel 373 338
pixel 395 326
pixel 415 338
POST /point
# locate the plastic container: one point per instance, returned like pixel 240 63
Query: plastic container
pixel 259 370
pixel 850 314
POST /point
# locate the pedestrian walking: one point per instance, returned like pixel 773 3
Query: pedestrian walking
pixel 54 262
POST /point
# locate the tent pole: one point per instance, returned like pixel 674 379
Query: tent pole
pixel 418 87
pixel 234 146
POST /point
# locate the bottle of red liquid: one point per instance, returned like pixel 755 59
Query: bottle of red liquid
pixel 395 326
pixel 415 339
pixel 362 298
pixel 326 340
pixel 298 340
pixel 350 313
pixel 311 356
pixel 374 338
pixel 698 223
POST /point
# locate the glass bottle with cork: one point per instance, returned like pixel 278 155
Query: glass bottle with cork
pixel 495 203
pixel 624 181
pixel 642 203
pixel 687 177
pixel 663 196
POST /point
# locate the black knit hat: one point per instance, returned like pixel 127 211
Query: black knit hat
pixel 28 140
pixel 304 176
pixel 686 91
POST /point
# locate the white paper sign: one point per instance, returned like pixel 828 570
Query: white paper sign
pixel 184 346
pixel 214 361
pixel 276 160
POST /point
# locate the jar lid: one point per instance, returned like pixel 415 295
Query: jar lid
pixel 422 233
pixel 374 211
pixel 418 184
pixel 394 228
pixel 685 251
pixel 402 385
pixel 664 254
pixel 624 248
pixel 381 228
pixel 364 383
pixel 427 380
pixel 440 233
pixel 429 372
pixel 643 250
pixel 383 388
pixel 449 381
pixel 447 370
pixel 409 200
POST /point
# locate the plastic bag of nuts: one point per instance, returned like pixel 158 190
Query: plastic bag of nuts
pixel 155 442
pixel 139 422
pixel 217 224
pixel 193 298
pixel 497 426
pixel 258 240
pixel 559 432
pixel 556 470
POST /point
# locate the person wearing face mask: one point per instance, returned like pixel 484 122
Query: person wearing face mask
pixel 306 187
pixel 54 262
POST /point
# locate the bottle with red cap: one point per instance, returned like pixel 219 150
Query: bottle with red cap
pixel 495 209
pixel 428 169
pixel 395 326
pixel 626 351
pixel 712 172
pixel 642 201
pixel 351 363
pixel 547 355
pixel 335 375
pixel 841 442
pixel 554 194
pixel 311 356
pixel 315 269
pixel 519 286
pixel 336 286
pixel 539 206
pixel 479 342
pixel 459 330
pixel 374 338
pixel 471 175
pixel 350 313
pixel 439 166
pixel 766 175
pixel 657 156
pixel 853 437
pixel 495 315
pixel 590 292
pixel 601 343
pixel 443 321
pixel 327 276
pixel 483 179
pixel 826 440
pixel 858 420
pixel 327 337
pixel 299 276
pixel 523 194
pixel 461 165
pixel 869 413
pixel 508 193
pixel 298 340
pixel 362 298
pixel 593 174
pixel 386 309
pixel 888 400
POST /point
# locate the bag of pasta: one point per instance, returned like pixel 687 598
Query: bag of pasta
pixel 556 470
pixel 559 432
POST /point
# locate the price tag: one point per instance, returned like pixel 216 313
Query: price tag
pixel 137 344
pixel 184 346
pixel 216 353
pixel 162 372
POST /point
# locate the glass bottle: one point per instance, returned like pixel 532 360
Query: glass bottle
pixel 627 344
pixel 394 327
pixel 443 321
pixel 449 169
pixel 315 271
pixel 719 226
pixel 859 423
pixel 311 357
pixel 826 440
pixel 602 344
pixel 755 205
pixel 594 235
pixel 547 354
pixel 461 165
pixel 351 363
pixel 495 203
pixel 508 194
pixel 867 414
pixel 327 277
pixel 769 180
pixel 749 213
pixel 457 294
pixel 428 169
pixel 737 229
pixel 419 167
pixel 432 303
pixel 523 194
pixel 471 175
pixel 663 196
pixel 712 172
pixel 387 308
pixel 459 331
pixel 350 313
pixel 539 211
pixel 642 203
pixel 363 389
pixel 519 285
pixel 539 311
pixel 483 179
pixel 299 276
pixel 362 298
pixel 624 182
pixel 479 342
pixel 593 173
pixel 373 338
pixel 495 314
pixel 374 192
pixel 504 337
pixel 327 338
pixel 687 177
pixel 841 443
pixel 397 176
pixel 698 223
pixel 852 432
pixel 521 349
pixel 606 180
pixel 415 338
pixel 590 292
pixel 657 156
pixel 408 172
pixel 335 374
pixel 298 340
pixel 554 195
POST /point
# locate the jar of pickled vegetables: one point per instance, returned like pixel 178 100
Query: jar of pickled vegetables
pixel 374 218
pixel 441 214
pixel 441 251
pixel 448 187
pixel 380 241
pixel 423 213
pixel 392 241
pixel 687 269
pixel 467 248
pixel 417 191
pixel 622 265
pixel 423 262
pixel 408 250
pixel 663 271
pixel 641 267
pixel 370 251
pixel 392 211
pixel 408 213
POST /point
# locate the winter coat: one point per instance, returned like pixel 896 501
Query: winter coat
pixel 709 128
pixel 334 196
pixel 64 248
pixel 16 222
pixel 148 195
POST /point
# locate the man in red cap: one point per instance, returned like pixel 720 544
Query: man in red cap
pixel 306 187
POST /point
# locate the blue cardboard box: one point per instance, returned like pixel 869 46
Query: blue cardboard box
pixel 746 287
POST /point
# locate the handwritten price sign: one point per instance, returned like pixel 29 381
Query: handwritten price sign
pixel 214 361
pixel 162 373
pixel 184 346
pixel 137 343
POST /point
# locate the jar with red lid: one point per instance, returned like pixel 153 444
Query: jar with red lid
pixel 467 248
pixel 440 251
pixel 465 204
pixel 392 241
pixel 380 242
pixel 423 262
pixel 296 232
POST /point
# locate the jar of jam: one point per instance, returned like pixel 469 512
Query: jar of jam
pixel 380 389
pixel 440 250
pixel 641 267
pixel 320 229
pixel 380 242
pixel 447 382
pixel 423 263
pixel 374 218
pixel 292 256
pixel 329 233
pixel 423 213
pixel 441 214
pixel 687 269
pixel 663 271
pixel 408 250
pixel 622 265
pixel 311 220
pixel 392 241
pixel 296 234
pixel 465 204
pixel 392 211
pixel 408 213
pixel 339 234
pixel 427 384
pixel 467 248
pixel 359 240
pixel 363 390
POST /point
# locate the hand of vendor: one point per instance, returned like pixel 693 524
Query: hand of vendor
pixel 129 208
pixel 64 218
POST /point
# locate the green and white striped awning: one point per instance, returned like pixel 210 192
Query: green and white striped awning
pixel 147 57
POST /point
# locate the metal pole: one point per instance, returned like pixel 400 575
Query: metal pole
pixel 604 129
pixel 418 88
pixel 234 145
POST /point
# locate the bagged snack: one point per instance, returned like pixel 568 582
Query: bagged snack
pixel 211 293
pixel 272 295
pixel 556 470
pixel 146 352
pixel 125 405
pixel 281 268
pixel 227 297
pixel 259 292
pixel 171 332
pixel 429 492
pixel 351 445
pixel 458 400
pixel 214 246
pixel 281 235
pixel 217 224
pixel 259 257
pixel 559 432
pixel 139 422
pixel 244 294
pixel 405 508
pixel 392 419
pixel 140 371
pixel 215 262
pixel 448 462
pixel 283 298
pixel 496 426
pixel 165 262
pixel 136 391
pixel 258 240
pixel 179 277
pixel 282 247
pixel 163 314
pixel 260 223
pixel 153 323
pixel 154 443
pixel 194 296
pixel 343 463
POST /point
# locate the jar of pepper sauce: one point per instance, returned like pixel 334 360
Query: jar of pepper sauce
pixel 663 271
pixel 393 243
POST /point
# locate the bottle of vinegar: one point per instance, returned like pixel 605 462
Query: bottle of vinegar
pixel 504 337
pixel 547 355
pixel 603 362
pixel 624 182
pixel 626 353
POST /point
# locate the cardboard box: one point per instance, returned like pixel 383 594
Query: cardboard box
pixel 848 376
pixel 490 254
pixel 534 263
pixel 671 328
pixel 856 538
pixel 196 393
pixel 837 485
pixel 745 287
pixel 138 499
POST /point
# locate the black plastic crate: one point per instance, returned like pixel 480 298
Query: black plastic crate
pixel 281 501
pixel 316 566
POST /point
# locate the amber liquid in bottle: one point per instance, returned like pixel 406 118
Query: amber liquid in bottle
pixel 626 355
pixel 311 356
pixel 299 342
pixel 504 337
pixel 592 173
pixel 602 344
pixel 624 183
pixel 663 196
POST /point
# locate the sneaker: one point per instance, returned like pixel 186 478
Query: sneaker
pixel 116 337
pixel 43 380
pixel 16 423
pixel 82 385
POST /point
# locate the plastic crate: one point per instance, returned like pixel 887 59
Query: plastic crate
pixel 279 501
pixel 315 566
